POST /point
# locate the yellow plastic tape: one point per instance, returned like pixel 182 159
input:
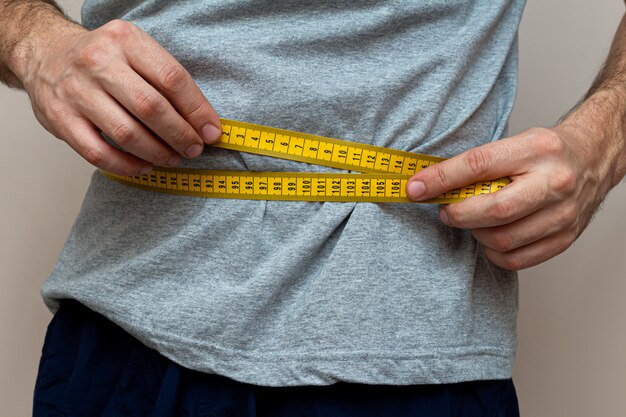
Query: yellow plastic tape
pixel 383 178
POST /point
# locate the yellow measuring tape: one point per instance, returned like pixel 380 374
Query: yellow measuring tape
pixel 384 171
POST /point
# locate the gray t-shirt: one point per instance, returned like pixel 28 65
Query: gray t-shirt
pixel 282 293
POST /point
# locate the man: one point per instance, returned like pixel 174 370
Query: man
pixel 284 294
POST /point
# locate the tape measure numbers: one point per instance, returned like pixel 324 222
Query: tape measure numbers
pixel 384 171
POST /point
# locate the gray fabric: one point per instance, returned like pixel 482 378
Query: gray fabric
pixel 290 293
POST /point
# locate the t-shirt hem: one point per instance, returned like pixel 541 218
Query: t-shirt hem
pixel 428 365
pixel 444 366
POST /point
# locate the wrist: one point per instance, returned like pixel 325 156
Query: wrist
pixel 32 41
pixel 600 124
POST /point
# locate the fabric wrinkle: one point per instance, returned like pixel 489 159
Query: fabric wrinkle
pixel 279 293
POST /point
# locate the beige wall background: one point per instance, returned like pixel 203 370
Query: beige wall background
pixel 572 351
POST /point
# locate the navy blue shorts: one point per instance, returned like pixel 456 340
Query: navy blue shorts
pixel 90 367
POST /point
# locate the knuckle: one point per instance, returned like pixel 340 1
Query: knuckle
pixel 512 262
pixel 180 139
pixel 535 132
pixel 119 29
pixel 502 209
pixel 571 214
pixel 563 242
pixel 200 107
pixel 570 238
pixel 53 117
pixel 441 177
pixel 123 133
pixel 56 113
pixel 91 56
pixel 567 216
pixel 455 217
pixel 550 142
pixel 71 87
pixel 172 77
pixel 478 161
pixel 148 105
pixel 162 157
pixel 502 242
pixel 94 157
pixel 563 180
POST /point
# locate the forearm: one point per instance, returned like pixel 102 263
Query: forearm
pixel 601 115
pixel 25 27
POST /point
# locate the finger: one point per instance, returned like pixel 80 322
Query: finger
pixel 533 254
pixel 166 74
pixel 505 157
pixel 116 123
pixel 149 106
pixel 550 220
pixel 517 200
pixel 85 139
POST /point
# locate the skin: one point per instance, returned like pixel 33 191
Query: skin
pixel 115 79
pixel 560 175
pixel 118 80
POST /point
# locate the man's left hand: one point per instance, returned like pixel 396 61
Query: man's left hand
pixel 558 180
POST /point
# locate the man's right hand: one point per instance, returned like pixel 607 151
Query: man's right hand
pixel 118 80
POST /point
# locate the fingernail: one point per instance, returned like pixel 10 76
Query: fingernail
pixel 416 189
pixel 194 150
pixel 145 169
pixel 210 133
pixel 174 160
